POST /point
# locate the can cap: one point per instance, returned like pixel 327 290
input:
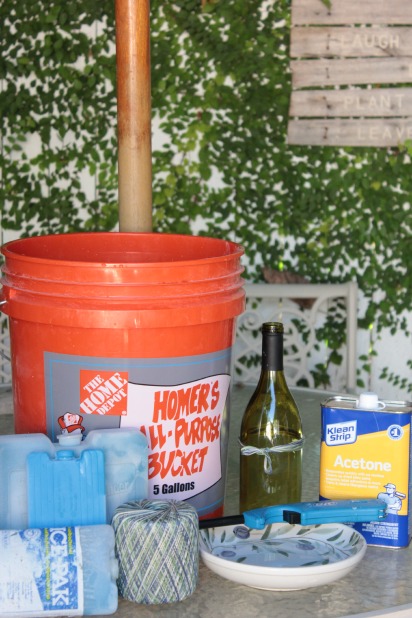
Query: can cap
pixel 370 401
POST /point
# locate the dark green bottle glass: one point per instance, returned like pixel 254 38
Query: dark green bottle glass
pixel 271 435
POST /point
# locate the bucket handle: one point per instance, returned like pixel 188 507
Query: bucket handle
pixel 2 353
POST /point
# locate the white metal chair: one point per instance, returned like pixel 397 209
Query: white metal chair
pixel 303 309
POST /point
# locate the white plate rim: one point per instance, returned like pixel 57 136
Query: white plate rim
pixel 220 564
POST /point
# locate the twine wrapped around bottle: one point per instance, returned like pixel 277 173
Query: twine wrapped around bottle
pixel 295 445
pixel 157 545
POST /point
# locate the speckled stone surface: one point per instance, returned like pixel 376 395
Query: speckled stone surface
pixel 383 579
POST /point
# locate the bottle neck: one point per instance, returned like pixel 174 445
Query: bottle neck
pixel 272 351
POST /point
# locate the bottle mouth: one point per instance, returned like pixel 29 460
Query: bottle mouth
pixel 272 327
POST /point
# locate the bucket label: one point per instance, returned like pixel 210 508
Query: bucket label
pixel 181 404
pixel 40 571
pixel 182 425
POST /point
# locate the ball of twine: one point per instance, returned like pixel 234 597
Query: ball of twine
pixel 157 545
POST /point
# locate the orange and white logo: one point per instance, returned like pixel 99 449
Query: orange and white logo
pixel 103 392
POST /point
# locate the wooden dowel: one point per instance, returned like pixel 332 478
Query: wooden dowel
pixel 134 115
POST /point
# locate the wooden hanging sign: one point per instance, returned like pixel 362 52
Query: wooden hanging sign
pixel 394 12
pixel 324 42
pixel 342 132
pixel 373 103
pixel 351 71
pixel 347 62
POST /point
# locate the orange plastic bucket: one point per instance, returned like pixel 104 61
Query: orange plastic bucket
pixel 129 329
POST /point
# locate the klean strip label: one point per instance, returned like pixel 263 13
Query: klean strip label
pixel 367 454
pixel 41 571
pixel 341 433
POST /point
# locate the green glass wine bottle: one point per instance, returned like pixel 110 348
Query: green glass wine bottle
pixel 271 437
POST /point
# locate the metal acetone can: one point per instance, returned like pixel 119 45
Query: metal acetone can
pixel 366 453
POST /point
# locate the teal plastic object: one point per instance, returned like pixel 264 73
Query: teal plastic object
pixel 66 490
pixel 311 513
pixel 305 514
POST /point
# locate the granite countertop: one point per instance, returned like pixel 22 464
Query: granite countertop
pixel 379 586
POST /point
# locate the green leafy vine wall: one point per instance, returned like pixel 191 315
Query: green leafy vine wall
pixel 220 90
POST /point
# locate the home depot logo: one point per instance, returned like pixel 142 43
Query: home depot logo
pixel 103 393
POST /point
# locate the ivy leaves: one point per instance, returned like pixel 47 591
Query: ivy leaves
pixel 330 214
pixel 58 116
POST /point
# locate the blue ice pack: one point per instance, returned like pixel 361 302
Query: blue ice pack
pixel 66 490
pixel 125 463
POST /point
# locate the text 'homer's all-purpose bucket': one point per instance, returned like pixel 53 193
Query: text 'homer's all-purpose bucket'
pixel 129 329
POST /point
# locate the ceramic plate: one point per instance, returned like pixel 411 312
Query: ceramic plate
pixel 283 556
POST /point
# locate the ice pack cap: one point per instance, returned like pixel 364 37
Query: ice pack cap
pixel 70 439
pixel 369 401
